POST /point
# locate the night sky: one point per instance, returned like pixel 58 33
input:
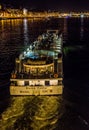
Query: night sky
pixel 61 5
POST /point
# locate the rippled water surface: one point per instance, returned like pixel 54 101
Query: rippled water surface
pixel 65 112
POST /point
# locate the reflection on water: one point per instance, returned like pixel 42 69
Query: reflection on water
pixel 26 37
pixel 32 112
pixel 26 112
pixel 82 29
pixel 65 31
pixel 44 112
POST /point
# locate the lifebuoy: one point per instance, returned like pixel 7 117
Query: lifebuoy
pixel 13 76
pixel 55 75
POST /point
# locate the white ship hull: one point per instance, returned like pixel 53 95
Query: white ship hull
pixel 36 90
pixel 38 69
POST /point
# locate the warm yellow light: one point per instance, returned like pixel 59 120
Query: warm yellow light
pixel 0 7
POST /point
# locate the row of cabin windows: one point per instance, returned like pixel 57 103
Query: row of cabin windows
pixel 26 83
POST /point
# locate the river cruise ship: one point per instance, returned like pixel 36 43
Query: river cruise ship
pixel 38 69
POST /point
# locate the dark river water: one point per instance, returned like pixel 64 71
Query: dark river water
pixel 69 111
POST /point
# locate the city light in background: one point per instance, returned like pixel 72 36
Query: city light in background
pixel 36 61
pixel 13 12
